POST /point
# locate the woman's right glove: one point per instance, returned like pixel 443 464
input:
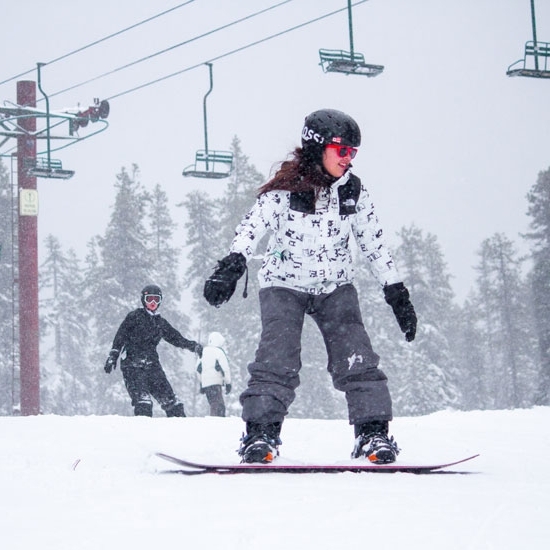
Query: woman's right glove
pixel 220 286
pixel 397 296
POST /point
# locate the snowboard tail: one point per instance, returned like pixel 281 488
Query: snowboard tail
pixel 194 468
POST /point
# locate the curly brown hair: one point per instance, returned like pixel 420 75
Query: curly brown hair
pixel 300 172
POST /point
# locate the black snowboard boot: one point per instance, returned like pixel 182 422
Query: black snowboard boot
pixel 261 443
pixel 373 443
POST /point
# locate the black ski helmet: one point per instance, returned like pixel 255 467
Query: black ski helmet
pixel 151 289
pixel 328 126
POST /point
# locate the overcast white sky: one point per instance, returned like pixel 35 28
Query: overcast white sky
pixel 450 142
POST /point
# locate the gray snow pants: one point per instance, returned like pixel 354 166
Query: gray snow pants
pixel 214 396
pixel 352 363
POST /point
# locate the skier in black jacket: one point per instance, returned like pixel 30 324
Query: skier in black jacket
pixel 136 344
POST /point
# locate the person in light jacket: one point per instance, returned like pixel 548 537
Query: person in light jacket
pixel 315 210
pixel 214 373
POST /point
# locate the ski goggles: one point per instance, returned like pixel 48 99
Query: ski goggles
pixel 343 150
pixel 150 298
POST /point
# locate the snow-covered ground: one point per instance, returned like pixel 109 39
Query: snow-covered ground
pixel 83 483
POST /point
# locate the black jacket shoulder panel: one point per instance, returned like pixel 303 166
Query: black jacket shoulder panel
pixel 348 195
pixel 303 201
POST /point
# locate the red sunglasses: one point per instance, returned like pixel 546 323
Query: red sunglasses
pixel 343 150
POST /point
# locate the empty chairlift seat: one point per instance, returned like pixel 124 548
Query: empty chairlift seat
pixel 47 168
pixel 341 61
pixel 534 63
pixel 210 164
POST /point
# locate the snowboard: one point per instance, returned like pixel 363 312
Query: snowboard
pixel 195 468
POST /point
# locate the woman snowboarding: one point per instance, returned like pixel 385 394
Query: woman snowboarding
pixel 313 208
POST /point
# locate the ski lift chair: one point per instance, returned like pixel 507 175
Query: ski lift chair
pixel 534 63
pixel 534 51
pixel 210 164
pixel 47 168
pixel 340 61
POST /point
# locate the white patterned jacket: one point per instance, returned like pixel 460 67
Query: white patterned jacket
pixel 311 242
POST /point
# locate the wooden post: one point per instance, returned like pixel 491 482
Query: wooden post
pixel 28 258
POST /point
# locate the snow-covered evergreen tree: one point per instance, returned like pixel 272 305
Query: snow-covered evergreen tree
pixel 467 345
pixel 67 380
pixel 119 265
pixel 8 298
pixel 539 211
pixel 242 337
pixel 504 316
pixel 202 230
pixel 126 263
pixel 425 377
pixel 178 364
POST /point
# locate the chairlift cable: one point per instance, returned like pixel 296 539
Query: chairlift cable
pixel 100 40
pixel 160 52
pixel 227 54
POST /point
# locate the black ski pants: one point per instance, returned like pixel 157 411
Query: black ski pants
pixel 144 382
pixel 352 363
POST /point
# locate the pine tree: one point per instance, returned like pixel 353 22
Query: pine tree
pixel 426 379
pixel 203 231
pixel 242 337
pixel 118 266
pixel 8 296
pixel 126 265
pixel 539 211
pixel 504 314
pixel 67 380
pixel 109 397
pixel 165 260
pixel 468 345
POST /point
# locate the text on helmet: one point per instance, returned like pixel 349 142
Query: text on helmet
pixel 309 134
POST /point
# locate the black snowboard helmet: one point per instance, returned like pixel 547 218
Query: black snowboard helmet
pixel 151 290
pixel 328 126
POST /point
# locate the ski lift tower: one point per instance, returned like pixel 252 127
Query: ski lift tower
pixel 19 121
pixel 536 55
pixel 341 61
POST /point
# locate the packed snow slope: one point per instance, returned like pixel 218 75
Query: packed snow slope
pixel 94 483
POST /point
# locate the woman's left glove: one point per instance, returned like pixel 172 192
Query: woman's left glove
pixel 397 296
pixel 220 286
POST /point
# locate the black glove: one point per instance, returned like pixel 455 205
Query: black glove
pixel 221 285
pixel 198 349
pixel 227 388
pixel 397 296
pixel 110 364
